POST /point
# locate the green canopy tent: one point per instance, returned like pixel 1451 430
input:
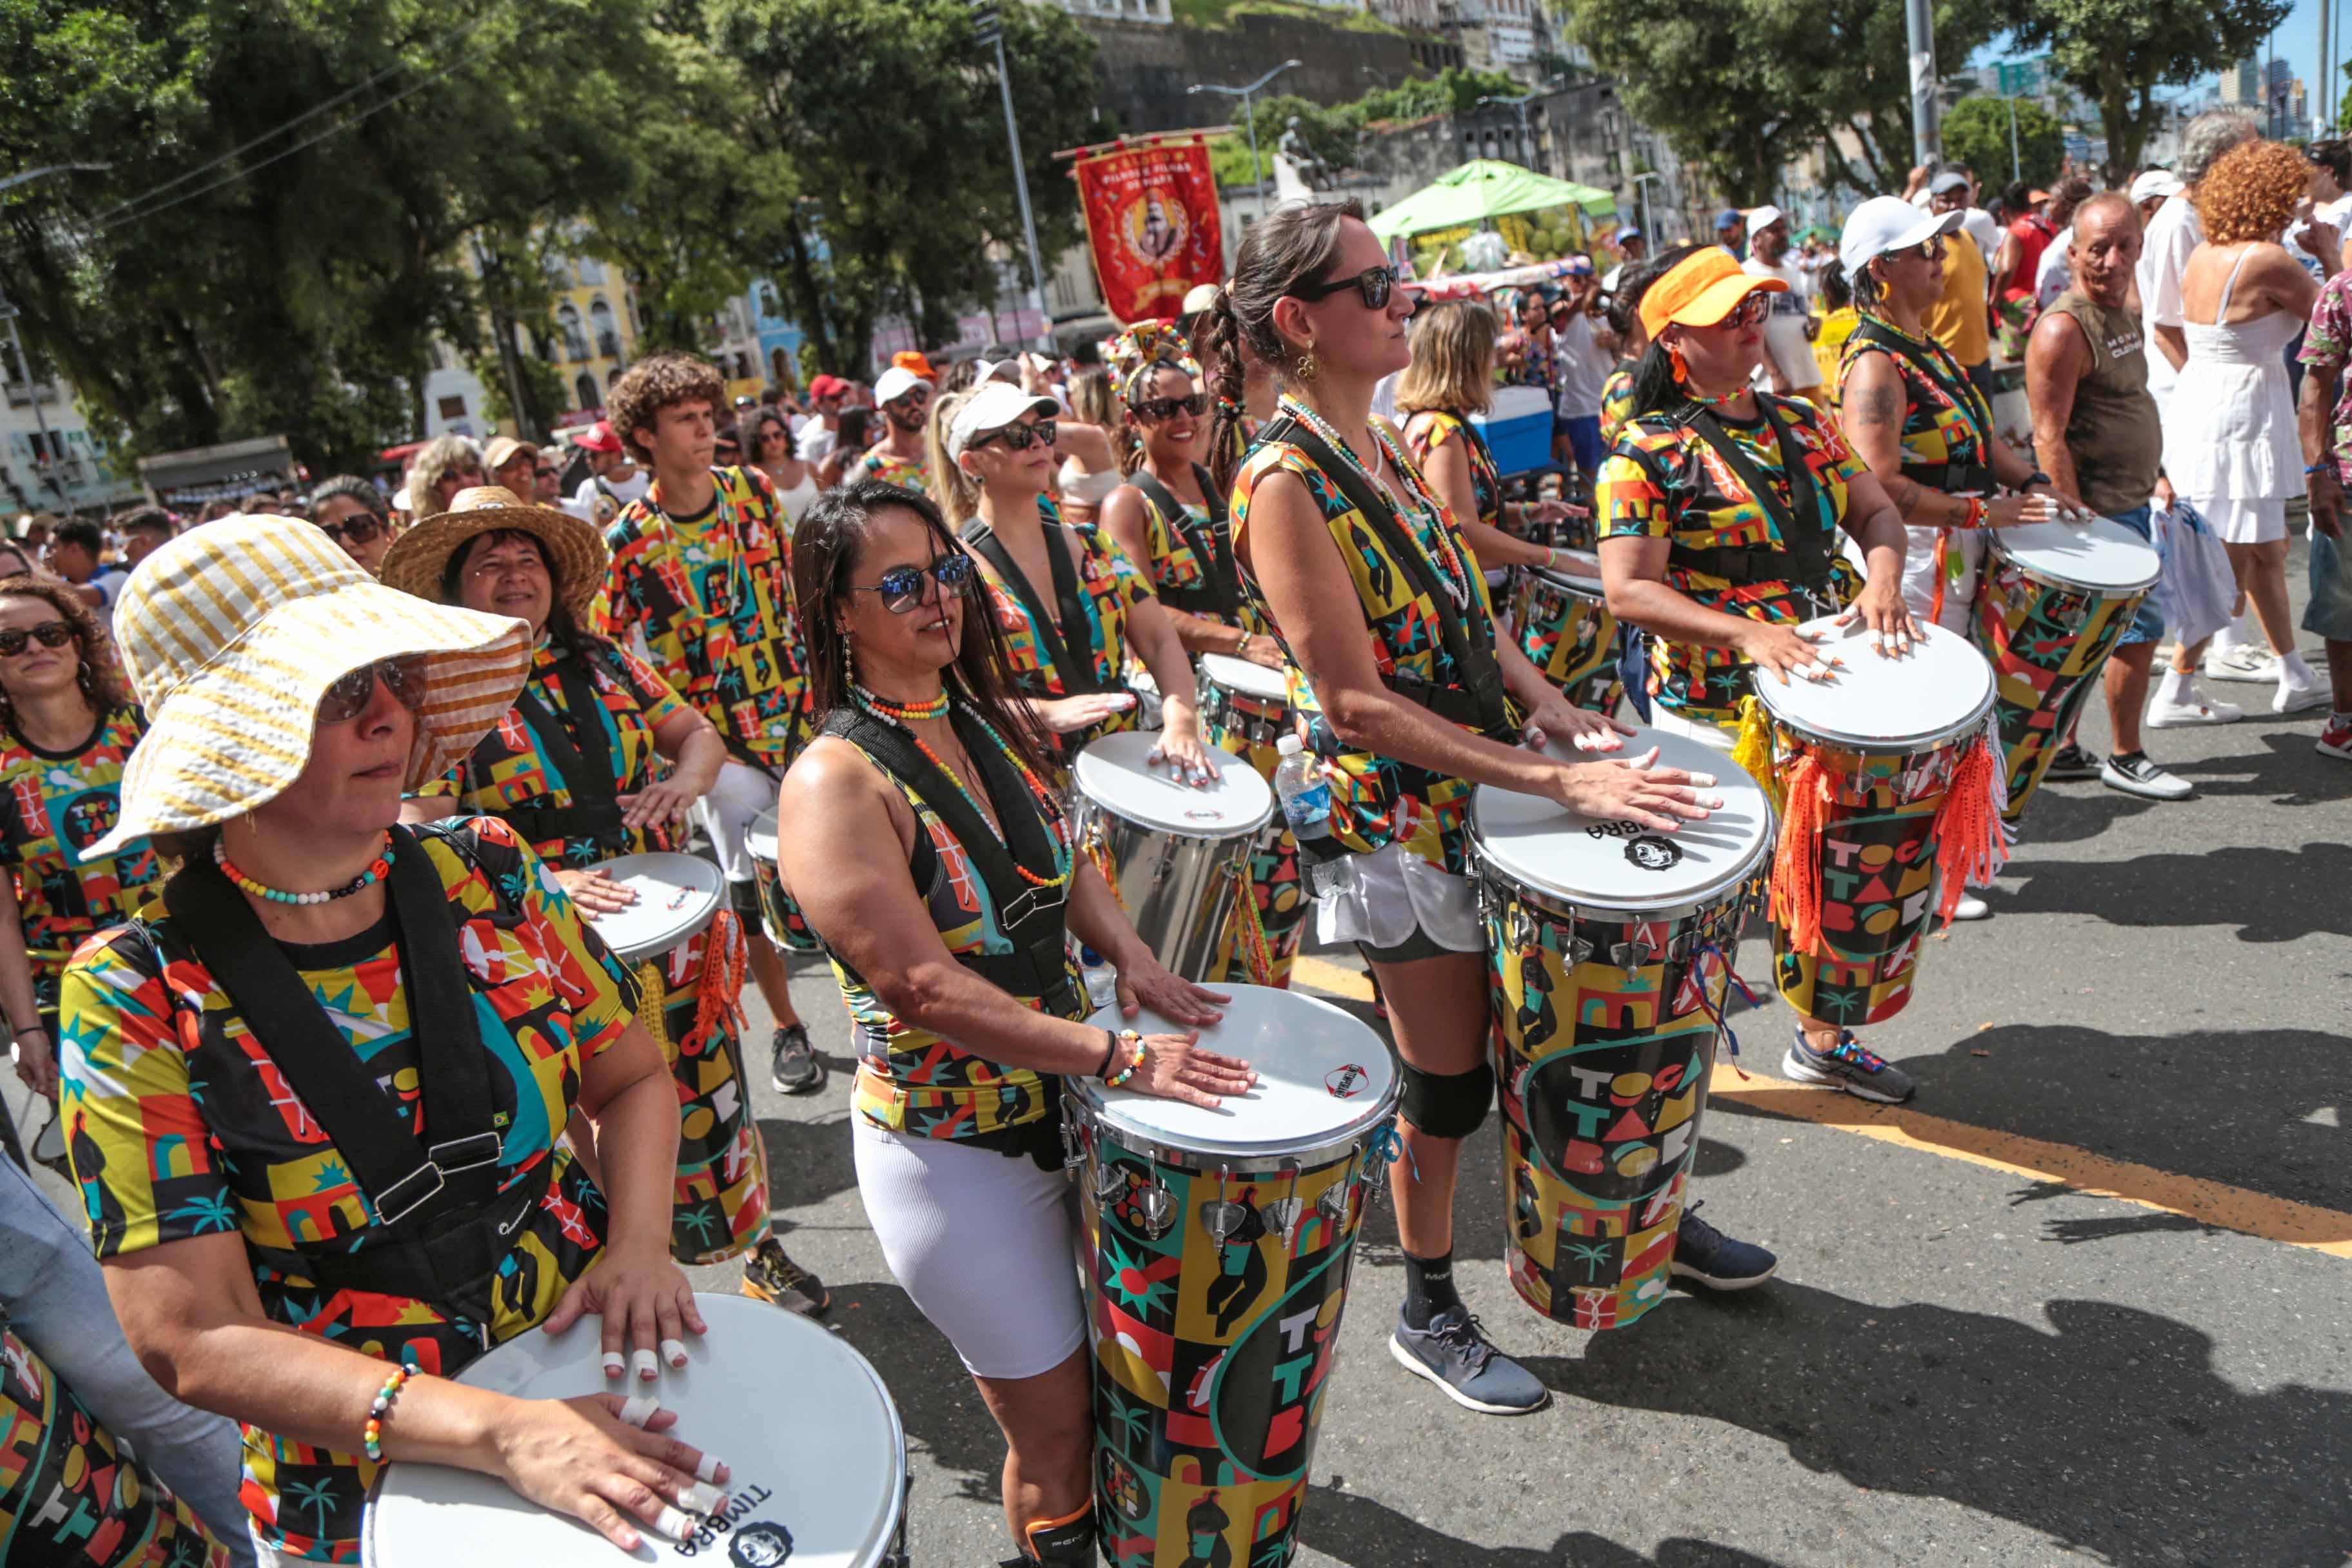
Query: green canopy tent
pixel 1482 189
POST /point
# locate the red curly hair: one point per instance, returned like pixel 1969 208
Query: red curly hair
pixel 2251 192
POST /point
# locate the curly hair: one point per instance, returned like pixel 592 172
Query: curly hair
pixel 655 382
pixel 98 671
pixel 2251 193
pixel 437 458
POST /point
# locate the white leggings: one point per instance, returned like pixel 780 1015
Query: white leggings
pixel 985 1243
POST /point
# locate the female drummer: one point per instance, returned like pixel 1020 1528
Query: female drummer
pixel 1452 376
pixel 251 1078
pixel 573 768
pixel 1912 415
pixel 953 960
pixel 1071 605
pixel 1399 684
pixel 70 729
pixel 1719 511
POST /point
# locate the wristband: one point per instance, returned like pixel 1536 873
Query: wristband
pixel 2323 467
pixel 42 1029
pixel 1975 516
pixel 1135 1042
pixel 2037 477
pixel 373 1433
pixel 1110 1053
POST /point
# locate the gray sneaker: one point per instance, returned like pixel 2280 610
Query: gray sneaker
pixel 1455 1353
pixel 794 1067
pixel 1862 1073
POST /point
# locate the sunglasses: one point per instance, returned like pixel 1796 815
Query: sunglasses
pixel 1373 283
pixel 901 587
pixel 346 699
pixel 1748 312
pixel 913 397
pixel 1017 437
pixel 1929 249
pixel 1159 408
pixel 352 530
pixel 49 634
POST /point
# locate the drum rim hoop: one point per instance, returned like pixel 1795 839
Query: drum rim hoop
pixel 1226 684
pixel 1085 1108
pixel 1560 900
pixel 2001 549
pixel 634 955
pixel 1888 746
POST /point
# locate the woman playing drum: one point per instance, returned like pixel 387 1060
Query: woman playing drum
pixel 953 960
pixel 572 768
pixel 1400 686
pixel 251 1079
pixel 1719 511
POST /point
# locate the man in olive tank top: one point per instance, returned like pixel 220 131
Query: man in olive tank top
pixel 2097 432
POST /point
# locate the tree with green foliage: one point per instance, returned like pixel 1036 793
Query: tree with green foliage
pixel 2118 52
pixel 1332 132
pixel 1976 132
pixel 883 122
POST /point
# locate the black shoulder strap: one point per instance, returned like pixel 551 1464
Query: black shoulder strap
pixel 1803 540
pixel 1219 594
pixel 1077 675
pixel 1962 391
pixel 1469 640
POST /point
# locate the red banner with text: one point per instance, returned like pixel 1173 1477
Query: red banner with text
pixel 1151 221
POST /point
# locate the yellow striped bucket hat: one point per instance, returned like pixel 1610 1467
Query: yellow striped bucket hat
pixel 231 635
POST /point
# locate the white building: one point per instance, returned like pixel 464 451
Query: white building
pixel 1153 11
pixel 49 460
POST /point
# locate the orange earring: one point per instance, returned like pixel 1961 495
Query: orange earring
pixel 1675 354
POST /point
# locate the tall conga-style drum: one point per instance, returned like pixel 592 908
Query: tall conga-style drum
pixel 1217 1249
pixel 1564 627
pixel 2053 601
pixel 1610 950
pixel 787 930
pixel 1178 856
pixel 1246 710
pixel 1889 784
pixel 816 1459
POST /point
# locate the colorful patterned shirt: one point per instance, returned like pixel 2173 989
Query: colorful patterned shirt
pixel 1538 360
pixel 1617 400
pixel 1663 481
pixel 2329 342
pixel 54 806
pixel 1378 800
pixel 179 1125
pixel 1108 587
pixel 1945 417
pixel 891 470
pixel 1426 430
pixel 1180 560
pixel 713 597
pixel 510 770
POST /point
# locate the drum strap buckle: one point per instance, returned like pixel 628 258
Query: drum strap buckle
pixel 442 1160
pixel 1034 903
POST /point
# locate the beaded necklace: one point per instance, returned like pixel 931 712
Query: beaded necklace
pixel 1049 810
pixel 377 871
pixel 934 708
pixel 1456 577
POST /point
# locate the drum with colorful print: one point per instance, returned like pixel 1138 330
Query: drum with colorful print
pixel 1246 710
pixel 829 1491
pixel 1565 628
pixel 1609 955
pixel 1178 857
pixel 1217 1250
pixel 2052 604
pixel 1887 775
pixel 677 896
pixel 787 928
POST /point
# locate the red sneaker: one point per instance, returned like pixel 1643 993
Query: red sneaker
pixel 2335 739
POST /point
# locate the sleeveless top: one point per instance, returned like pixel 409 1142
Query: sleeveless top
pixel 1945 420
pixel 906 473
pixel 1187 549
pixel 2111 432
pixel 1378 800
pixel 1429 428
pixel 1109 586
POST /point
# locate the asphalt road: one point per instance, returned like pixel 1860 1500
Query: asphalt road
pixel 1959 1364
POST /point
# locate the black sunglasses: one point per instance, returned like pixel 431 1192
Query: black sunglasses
pixel 346 699
pixel 1017 437
pixel 1373 283
pixel 49 634
pixel 1159 408
pixel 357 529
pixel 901 587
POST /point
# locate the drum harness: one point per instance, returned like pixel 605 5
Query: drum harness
pixel 1804 561
pixel 1953 479
pixel 594 811
pixel 1218 595
pixel 443 1227
pixel 1077 675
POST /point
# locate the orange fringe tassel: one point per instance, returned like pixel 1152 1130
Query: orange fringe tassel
pixel 1796 861
pixel 1971 841
pixel 726 959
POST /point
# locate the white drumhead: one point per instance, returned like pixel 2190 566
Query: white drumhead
pixel 1323 1076
pixel 1585 581
pixel 1939 689
pixel 677 896
pixel 761 838
pixel 809 1435
pixel 1597 863
pixel 2101 554
pixel 1112 774
pixel 1240 675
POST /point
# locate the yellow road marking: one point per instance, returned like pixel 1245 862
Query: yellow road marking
pixel 2209 1203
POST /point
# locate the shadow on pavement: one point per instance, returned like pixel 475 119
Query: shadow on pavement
pixel 2269 895
pixel 2110 1430
pixel 808 1162
pixel 2289 769
pixel 1363 1533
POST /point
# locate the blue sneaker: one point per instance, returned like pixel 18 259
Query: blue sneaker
pixel 1862 1073
pixel 1456 1354
pixel 1705 1256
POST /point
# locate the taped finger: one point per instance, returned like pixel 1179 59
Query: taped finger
pixel 673 1350
pixel 638 1409
pixel 645 1365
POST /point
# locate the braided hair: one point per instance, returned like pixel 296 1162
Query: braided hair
pixel 1294 247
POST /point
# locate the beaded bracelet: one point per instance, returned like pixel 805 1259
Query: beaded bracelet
pixel 1133 1062
pixel 373 1433
pixel 1975 516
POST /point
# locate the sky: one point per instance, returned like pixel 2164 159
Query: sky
pixel 2296 40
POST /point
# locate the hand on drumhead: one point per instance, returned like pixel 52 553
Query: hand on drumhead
pixel 578 1457
pixel 655 804
pixel 1557 718
pixel 1145 982
pixel 2017 511
pixel 1879 608
pixel 595 891
pixel 1069 715
pixel 1182 750
pixel 645 1301
pixel 1783 650
pixel 1637 791
pixel 1176 1068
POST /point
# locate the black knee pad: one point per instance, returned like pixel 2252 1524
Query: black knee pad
pixel 1447 1105
pixel 743 898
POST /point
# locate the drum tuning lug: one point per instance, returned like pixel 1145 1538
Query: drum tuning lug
pixel 1679 946
pixel 1222 1218
pixel 1333 1204
pixel 1108 1179
pixel 1158 1210
pixel 1580 950
pixel 1073 1148
pixel 1632 957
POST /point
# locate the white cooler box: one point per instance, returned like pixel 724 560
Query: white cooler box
pixel 1518 428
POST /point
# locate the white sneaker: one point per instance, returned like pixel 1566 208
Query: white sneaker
pixel 2164 714
pixel 2294 696
pixel 2248 661
pixel 1971 908
pixel 2138 775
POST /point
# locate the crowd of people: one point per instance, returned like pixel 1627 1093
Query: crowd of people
pixel 310 808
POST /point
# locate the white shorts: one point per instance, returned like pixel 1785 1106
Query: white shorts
pixel 1397 895
pixel 1706 734
pixel 2251 520
pixel 738 796
pixel 1966 550
pixel 986 1244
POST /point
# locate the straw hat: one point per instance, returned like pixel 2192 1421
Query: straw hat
pixel 575 550
pixel 232 633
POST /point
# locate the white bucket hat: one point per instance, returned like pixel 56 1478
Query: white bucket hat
pixel 231 635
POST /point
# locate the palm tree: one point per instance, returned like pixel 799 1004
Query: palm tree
pixel 320 1497
pixel 210 1212
pixel 1594 1255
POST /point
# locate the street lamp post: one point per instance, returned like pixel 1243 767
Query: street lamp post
pixel 1258 174
pixel 988 27
pixel 1642 194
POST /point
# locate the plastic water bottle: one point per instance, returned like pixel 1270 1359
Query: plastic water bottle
pixel 1307 806
pixel 1102 980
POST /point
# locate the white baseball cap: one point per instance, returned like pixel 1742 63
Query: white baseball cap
pixel 896 382
pixel 2155 182
pixel 996 405
pixel 1762 218
pixel 1889 222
